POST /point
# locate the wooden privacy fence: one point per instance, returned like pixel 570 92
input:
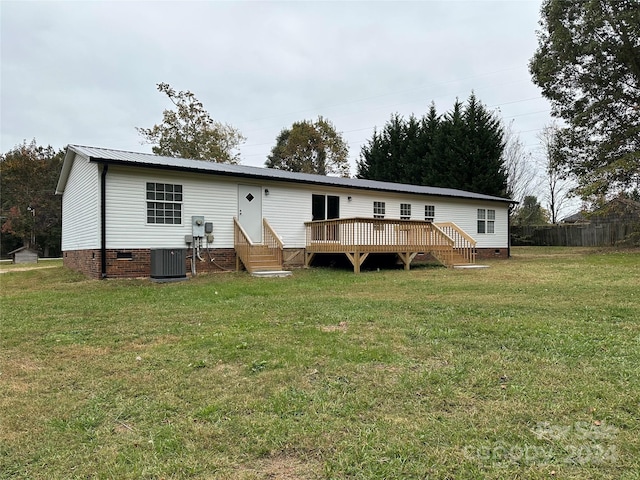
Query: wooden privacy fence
pixel 574 235
pixel 359 237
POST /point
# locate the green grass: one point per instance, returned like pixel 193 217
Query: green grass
pixel 528 369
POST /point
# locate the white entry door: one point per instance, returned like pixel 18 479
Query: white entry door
pixel 250 211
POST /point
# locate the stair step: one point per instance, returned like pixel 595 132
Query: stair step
pixel 271 267
pixel 272 273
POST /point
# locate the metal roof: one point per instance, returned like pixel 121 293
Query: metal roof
pixel 147 160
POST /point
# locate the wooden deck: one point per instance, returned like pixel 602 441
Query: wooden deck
pixel 357 238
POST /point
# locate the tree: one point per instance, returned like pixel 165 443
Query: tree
pixel 530 212
pixel 588 65
pixel 554 167
pixel 30 209
pixel 398 153
pixel 519 167
pixel 189 131
pixel 310 147
pixel 462 149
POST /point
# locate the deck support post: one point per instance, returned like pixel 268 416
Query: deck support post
pixel 407 258
pixel 307 258
pixel 356 259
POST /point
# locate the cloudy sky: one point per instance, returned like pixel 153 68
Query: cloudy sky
pixel 86 72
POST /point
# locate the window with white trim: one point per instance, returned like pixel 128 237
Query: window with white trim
pixel 486 221
pixel 164 203
pixel 379 209
pixel 491 221
pixel 429 212
pixel 405 211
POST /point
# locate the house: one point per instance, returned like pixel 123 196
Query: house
pixel 24 255
pixel 121 208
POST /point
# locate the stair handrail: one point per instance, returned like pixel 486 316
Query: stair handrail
pixel 464 244
pixel 270 235
pixel 272 240
pixel 242 244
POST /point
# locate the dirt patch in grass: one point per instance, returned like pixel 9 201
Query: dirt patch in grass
pixel 15 373
pixel 25 269
pixel 280 467
pixel 341 327
pixel 142 345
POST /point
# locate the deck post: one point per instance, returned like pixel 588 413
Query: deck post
pixel 307 258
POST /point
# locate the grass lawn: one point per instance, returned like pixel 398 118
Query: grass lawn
pixel 528 369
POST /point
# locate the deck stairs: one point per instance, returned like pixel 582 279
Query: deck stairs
pixel 462 250
pixel 259 259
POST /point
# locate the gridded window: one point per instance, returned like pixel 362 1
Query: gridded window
pixel 486 221
pixel 164 203
pixel 429 212
pixel 405 211
pixel 491 221
pixel 379 209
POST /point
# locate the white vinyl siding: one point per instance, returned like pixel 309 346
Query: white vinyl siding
pixel 127 225
pixel 81 207
pixel 286 208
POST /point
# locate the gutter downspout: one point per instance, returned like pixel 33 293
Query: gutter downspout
pixel 103 221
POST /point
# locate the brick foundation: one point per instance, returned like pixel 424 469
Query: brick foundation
pixel 83 261
pixel 215 260
pixel 131 263
pixel 488 253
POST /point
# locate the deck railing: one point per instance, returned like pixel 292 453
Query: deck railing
pixel 374 235
pixel 464 244
pixel 358 237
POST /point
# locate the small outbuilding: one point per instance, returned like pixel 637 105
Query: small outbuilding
pixel 24 255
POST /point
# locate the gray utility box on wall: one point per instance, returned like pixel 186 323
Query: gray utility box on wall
pixel 168 264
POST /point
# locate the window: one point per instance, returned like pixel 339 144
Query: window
pixel 378 209
pixel 486 221
pixel 491 221
pixel 405 211
pixel 325 207
pixel 429 212
pixel 164 203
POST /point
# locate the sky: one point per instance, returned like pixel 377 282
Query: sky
pixel 85 72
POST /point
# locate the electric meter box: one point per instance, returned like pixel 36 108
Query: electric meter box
pixel 197 225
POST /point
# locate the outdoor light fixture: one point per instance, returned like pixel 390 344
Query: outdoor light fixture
pixel 349 198
pixel 266 192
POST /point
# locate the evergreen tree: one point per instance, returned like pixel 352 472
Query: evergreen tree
pixel 388 156
pixel 531 213
pixel 461 150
